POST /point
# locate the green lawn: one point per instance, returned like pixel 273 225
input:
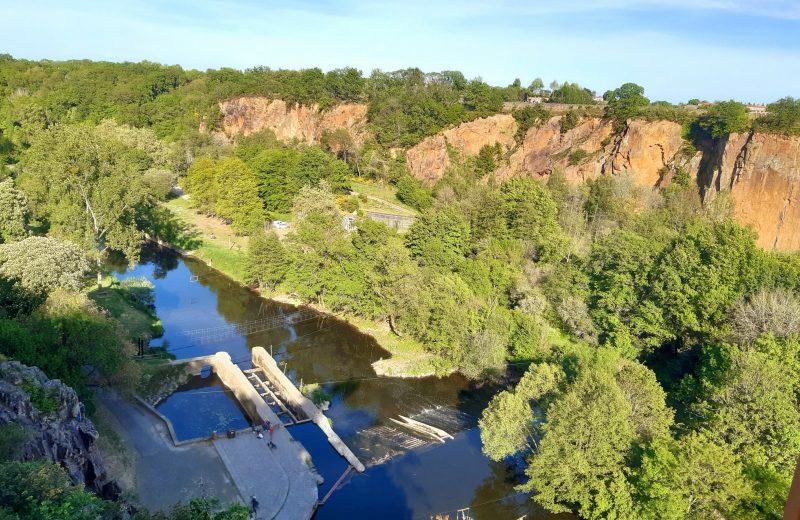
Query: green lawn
pixel 382 197
pixel 136 319
pixel 211 240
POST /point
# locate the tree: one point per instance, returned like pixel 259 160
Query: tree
pixel 237 198
pixel 572 94
pixel 581 457
pixel 625 102
pixel 724 118
pixel 536 85
pixel 783 116
pixel 14 213
pixel 267 260
pixel 698 279
pixel 510 423
pixel 89 189
pixel 693 477
pixel 439 237
pixel 43 264
pixel 775 311
pixel 760 422
pixel 531 215
pixel 200 182
pixel 410 191
pixel 554 85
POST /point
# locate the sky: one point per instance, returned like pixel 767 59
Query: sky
pixel 676 49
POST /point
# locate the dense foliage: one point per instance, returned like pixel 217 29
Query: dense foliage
pixel 648 322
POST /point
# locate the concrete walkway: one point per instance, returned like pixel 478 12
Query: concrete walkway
pixel 280 478
pixel 166 474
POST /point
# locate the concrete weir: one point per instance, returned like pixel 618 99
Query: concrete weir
pixel 282 478
pixel 296 399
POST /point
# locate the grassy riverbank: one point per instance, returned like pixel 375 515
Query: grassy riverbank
pixel 138 320
pixel 210 240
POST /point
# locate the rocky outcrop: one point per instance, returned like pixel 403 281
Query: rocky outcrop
pixel 289 121
pixel 762 174
pixel 760 171
pixel 49 413
pixel 429 159
pixel 546 148
pixel 643 149
pixel 592 148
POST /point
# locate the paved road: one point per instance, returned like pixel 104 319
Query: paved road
pixel 166 474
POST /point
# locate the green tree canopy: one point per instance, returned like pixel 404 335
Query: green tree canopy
pixel 724 118
pixel 14 212
pixel 625 102
pixel 572 94
pixel 43 264
pixel 88 187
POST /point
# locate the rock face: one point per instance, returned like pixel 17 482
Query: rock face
pixel 761 171
pixel 56 433
pixel 762 174
pixel 430 158
pixel 247 115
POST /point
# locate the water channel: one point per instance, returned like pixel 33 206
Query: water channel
pixel 426 480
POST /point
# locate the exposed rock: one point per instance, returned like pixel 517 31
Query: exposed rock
pixel 762 174
pixel 645 148
pixel 247 115
pixel 430 158
pixel 545 148
pixel 56 433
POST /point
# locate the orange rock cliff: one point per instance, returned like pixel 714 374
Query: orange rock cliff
pixel 761 171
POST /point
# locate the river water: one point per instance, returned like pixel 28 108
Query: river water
pixel 406 477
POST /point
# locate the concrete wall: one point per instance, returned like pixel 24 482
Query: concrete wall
pixel 296 399
pixel 233 378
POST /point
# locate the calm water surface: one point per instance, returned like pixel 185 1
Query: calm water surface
pixel 419 483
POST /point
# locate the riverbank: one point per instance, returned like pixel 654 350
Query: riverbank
pixel 139 320
pixel 213 242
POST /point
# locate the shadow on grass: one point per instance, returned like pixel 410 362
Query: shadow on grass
pixel 165 226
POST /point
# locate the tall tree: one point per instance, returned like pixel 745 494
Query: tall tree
pixel 237 196
pixel 14 212
pixel 89 189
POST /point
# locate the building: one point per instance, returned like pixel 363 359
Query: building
pixel 756 108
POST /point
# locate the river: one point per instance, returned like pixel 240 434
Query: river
pixel 399 483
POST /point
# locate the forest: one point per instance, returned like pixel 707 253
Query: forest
pixel 649 349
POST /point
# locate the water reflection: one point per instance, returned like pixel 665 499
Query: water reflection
pixel 202 406
pixel 422 482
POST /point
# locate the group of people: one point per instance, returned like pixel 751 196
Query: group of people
pixel 259 429
pixel 268 427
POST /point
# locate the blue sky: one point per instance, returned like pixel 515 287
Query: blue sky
pixel 676 49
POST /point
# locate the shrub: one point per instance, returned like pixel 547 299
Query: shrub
pixel 577 156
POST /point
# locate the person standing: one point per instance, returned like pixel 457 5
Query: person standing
pixel 254 505
pixel 269 438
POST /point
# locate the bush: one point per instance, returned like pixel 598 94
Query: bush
pixel 570 121
pixel 577 156
pixel 724 118
pixel 528 117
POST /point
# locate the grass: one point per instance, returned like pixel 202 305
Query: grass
pixel 382 197
pixel 212 241
pixel 158 377
pixel 135 318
